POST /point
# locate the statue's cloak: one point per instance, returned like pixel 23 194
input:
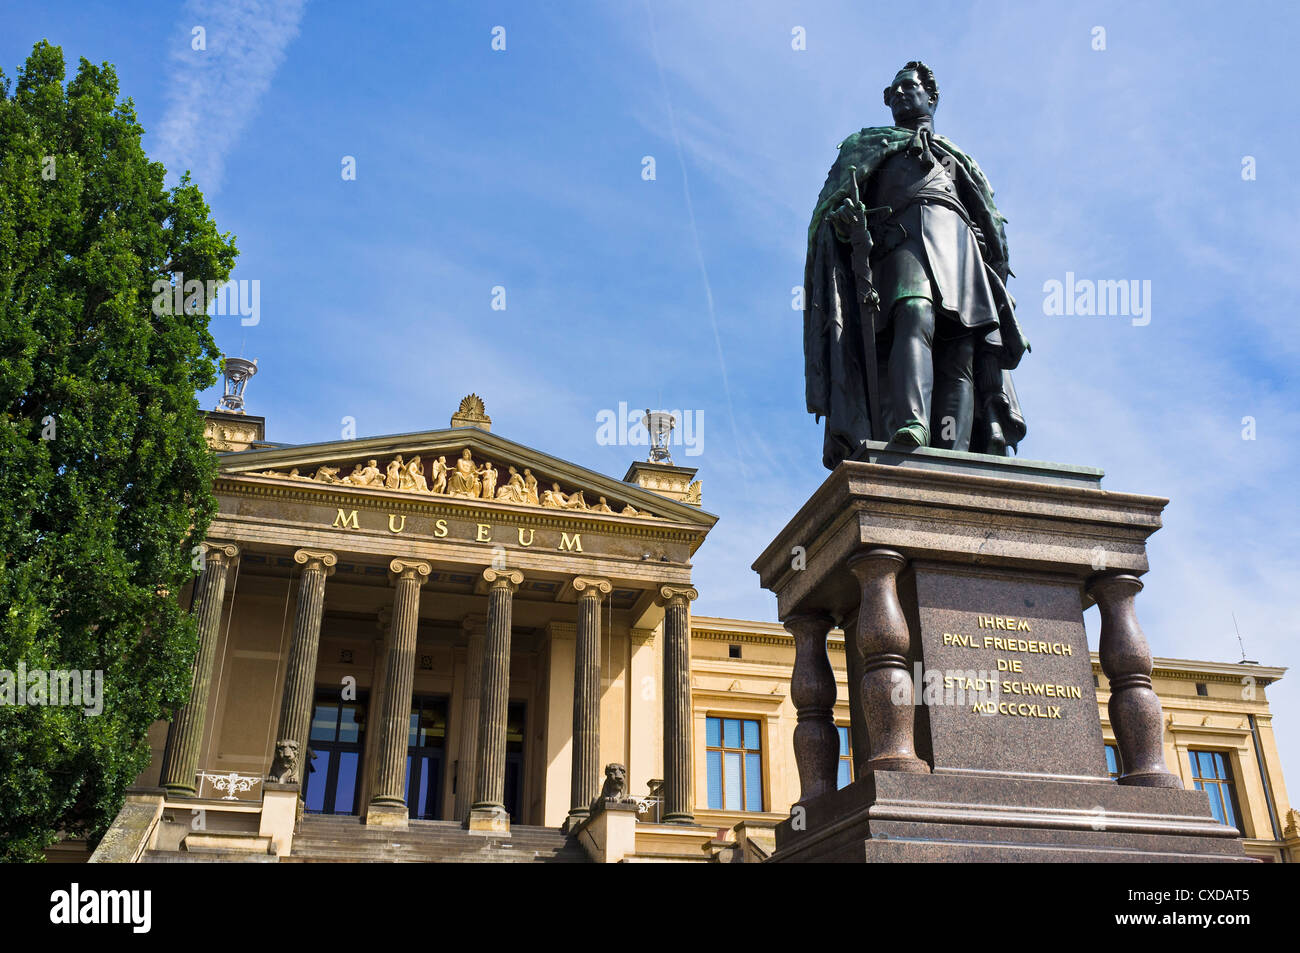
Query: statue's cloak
pixel 833 343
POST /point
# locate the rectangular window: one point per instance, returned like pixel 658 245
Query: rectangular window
pixel 1202 690
pixel 846 759
pixel 734 761
pixel 1112 761
pixel 1212 774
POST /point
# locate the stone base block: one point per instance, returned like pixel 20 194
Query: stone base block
pixel 387 815
pixel 608 832
pixel 222 842
pixel 488 820
pixel 897 817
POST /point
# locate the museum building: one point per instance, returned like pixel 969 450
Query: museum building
pixel 432 646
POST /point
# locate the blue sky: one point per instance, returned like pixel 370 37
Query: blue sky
pixel 523 168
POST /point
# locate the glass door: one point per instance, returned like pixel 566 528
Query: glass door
pixel 425 756
pixel 515 725
pixel 333 781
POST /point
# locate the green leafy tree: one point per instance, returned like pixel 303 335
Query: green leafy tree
pixel 105 478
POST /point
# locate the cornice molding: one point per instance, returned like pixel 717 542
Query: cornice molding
pixel 396 501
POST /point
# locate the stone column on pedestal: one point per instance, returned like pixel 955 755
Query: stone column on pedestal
pixel 886 686
pixel 290 764
pixel 488 812
pixel 467 747
pixel 679 800
pixel 585 782
pixel 859 745
pixel 812 690
pixel 375 704
pixel 1126 659
pixel 186 732
pixel 387 805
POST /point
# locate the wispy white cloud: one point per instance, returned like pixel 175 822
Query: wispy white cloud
pixel 213 91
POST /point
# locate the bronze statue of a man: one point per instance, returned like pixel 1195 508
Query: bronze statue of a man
pixel 909 332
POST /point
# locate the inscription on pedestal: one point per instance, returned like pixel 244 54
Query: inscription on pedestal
pixel 1005 674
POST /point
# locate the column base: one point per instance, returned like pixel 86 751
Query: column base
pixel 678 819
pixel 912 765
pixel 179 790
pixel 1151 779
pixel 383 814
pixel 489 819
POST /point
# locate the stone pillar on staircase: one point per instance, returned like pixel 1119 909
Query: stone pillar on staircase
pixel 488 813
pixel 387 805
pixel 185 735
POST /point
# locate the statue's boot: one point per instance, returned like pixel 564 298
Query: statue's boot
pixel 913 435
pixel 997 442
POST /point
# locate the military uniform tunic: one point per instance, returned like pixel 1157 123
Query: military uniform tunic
pixel 926 249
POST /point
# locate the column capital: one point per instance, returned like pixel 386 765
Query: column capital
pixel 676 595
pixel 474 624
pixel 870 563
pixel 416 569
pixel 1115 583
pixel 503 578
pixel 219 550
pixel 316 559
pixel 811 619
pixel 585 587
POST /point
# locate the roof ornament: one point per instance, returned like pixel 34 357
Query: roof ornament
pixel 659 425
pixel 236 372
pixel 472 413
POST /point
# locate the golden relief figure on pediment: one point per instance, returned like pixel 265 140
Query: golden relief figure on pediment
pixel 463 479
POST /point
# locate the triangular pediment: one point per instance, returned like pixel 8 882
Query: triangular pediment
pixel 463 464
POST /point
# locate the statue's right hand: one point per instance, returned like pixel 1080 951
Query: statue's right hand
pixel 849 220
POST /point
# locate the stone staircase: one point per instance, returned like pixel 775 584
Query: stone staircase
pixel 335 838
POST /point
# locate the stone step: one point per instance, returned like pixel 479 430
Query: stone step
pixel 344 839
pixel 206 857
pixel 649 857
pixel 466 842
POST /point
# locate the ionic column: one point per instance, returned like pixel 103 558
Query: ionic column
pixel 375 704
pixel 585 782
pixel 1134 707
pixel 388 802
pixel 812 689
pixel 469 715
pixel 886 685
pixel 679 801
pixel 186 732
pixel 488 812
pixel 290 759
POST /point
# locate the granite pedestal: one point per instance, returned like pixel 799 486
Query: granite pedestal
pixel 960 581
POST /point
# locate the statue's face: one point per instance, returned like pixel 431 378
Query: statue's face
pixel 908 97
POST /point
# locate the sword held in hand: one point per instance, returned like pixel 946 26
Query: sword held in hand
pixel 857 223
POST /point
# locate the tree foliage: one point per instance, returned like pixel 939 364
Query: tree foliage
pixel 105 478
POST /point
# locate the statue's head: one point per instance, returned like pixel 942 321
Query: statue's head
pixel 913 94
